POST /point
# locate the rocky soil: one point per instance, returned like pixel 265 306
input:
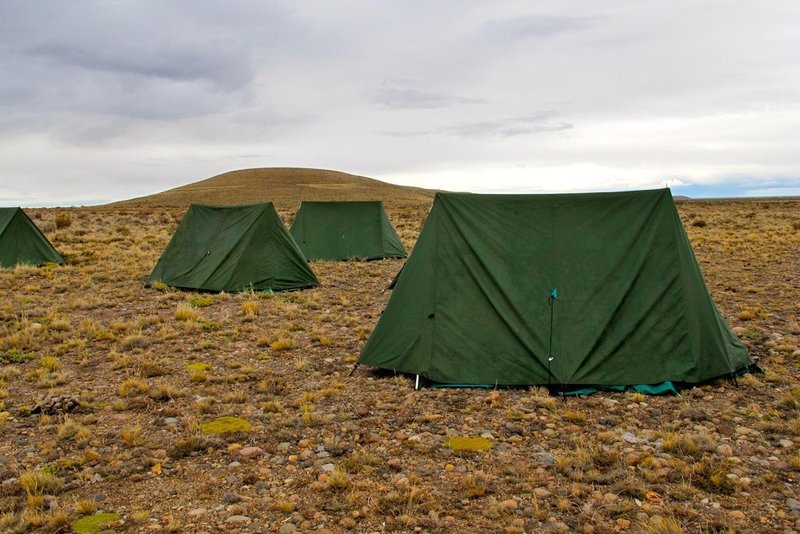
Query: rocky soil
pixel 175 411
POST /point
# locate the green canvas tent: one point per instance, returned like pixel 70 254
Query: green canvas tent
pixel 605 284
pixel 344 230
pixel 21 242
pixel 233 248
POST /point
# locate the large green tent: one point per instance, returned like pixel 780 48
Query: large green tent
pixel 21 242
pixel 344 230
pixel 233 248
pixel 598 289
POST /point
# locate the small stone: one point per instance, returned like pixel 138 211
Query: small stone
pixel 251 452
pixel 632 458
pixel 327 468
pixel 738 514
pixel 492 398
pixel 542 493
pixel 169 421
pixel 629 437
pixel 237 519
pixel 786 443
pixel 793 505
pixel 231 498
pixel 401 482
pixel 197 512
pixel 545 459
pixel 287 528
pixel 509 504
pixel 724 450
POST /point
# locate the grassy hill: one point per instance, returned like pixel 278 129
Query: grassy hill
pixel 285 187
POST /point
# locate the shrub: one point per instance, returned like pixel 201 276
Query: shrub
pixel 284 343
pixel 63 220
pixel 186 312
pixel 201 301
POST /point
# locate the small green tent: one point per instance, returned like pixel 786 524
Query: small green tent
pixel 21 242
pixel 344 230
pixel 233 248
pixel 598 289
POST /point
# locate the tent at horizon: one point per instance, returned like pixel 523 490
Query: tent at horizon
pixel 567 290
pixel 21 241
pixel 233 248
pixel 342 230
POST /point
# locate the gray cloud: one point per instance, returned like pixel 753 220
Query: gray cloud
pixel 406 98
pixel 102 100
pixel 536 123
pixel 511 127
pixel 535 26
pixel 225 69
pixel 405 94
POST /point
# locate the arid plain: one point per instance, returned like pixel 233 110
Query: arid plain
pixel 111 395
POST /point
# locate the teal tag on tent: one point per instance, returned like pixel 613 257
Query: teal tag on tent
pixel 554 293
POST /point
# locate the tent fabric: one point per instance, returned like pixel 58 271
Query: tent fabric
pixel 345 230
pixel 472 304
pixel 233 248
pixel 21 241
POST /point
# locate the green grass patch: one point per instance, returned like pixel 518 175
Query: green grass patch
pixel 92 524
pixel 465 443
pixel 201 301
pixel 226 425
pixel 197 367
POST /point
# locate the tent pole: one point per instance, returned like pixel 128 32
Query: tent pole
pixel 550 299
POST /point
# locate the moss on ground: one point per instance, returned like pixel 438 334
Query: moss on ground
pixel 226 425
pixel 92 524
pixel 465 443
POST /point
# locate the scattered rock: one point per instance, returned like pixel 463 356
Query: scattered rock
pixel 231 497
pixel 629 437
pixel 250 452
pixel 725 450
pixel 57 404
pixel 545 459
pixel 328 468
pixel 542 493
pixel 287 528
pixel 793 505
pixel 509 504
pixel 237 519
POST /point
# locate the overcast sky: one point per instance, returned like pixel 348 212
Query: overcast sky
pixel 106 100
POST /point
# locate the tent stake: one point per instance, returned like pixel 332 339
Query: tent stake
pixel 416 384
pixel 354 369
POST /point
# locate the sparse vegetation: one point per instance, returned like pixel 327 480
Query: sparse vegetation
pixel 184 392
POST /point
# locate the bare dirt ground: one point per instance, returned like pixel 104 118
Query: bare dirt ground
pixel 141 372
